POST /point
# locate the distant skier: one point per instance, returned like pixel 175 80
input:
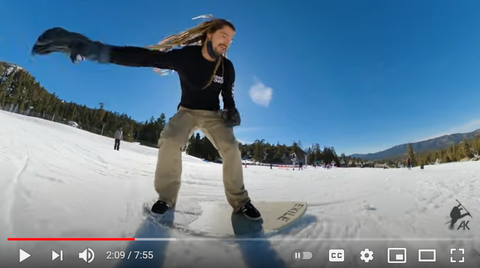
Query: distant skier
pixel 204 73
pixel 118 138
pixel 455 215
pixel 300 166
pixel 409 164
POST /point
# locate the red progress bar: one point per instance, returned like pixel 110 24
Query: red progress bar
pixel 70 239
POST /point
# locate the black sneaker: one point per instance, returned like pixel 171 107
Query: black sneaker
pixel 251 212
pixel 160 207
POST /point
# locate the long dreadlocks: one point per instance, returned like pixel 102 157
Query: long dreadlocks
pixel 194 36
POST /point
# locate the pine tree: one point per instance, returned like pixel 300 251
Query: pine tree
pixel 466 151
pixel 411 154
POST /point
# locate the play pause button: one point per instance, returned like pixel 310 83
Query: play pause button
pixel 55 255
pixel 23 255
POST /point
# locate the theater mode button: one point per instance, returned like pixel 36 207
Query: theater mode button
pixel 427 255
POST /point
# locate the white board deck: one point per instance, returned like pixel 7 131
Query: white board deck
pixel 218 219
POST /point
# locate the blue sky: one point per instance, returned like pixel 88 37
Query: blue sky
pixel 361 76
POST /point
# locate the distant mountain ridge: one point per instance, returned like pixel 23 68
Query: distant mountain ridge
pixel 419 147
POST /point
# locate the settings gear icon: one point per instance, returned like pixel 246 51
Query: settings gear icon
pixel 366 255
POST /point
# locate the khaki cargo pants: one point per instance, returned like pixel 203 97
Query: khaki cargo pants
pixel 174 137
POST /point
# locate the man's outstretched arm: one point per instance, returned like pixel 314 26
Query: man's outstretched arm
pixel 78 46
pixel 142 57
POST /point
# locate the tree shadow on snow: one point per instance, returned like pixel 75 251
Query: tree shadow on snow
pixel 259 252
pixel 150 229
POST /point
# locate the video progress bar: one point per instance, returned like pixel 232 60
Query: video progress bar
pixel 242 239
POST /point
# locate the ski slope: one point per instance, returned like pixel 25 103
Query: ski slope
pixel 59 181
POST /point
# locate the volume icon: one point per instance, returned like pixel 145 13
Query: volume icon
pixel 87 255
pixel 55 255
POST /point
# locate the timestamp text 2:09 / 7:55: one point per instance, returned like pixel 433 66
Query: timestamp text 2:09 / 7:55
pixel 134 255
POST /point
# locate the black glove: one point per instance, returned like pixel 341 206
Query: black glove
pixel 77 46
pixel 231 117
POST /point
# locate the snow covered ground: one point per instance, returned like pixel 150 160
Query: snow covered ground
pixel 59 181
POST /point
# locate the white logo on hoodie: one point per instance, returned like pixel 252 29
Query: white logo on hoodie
pixel 218 79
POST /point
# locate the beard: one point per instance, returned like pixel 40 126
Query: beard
pixel 220 50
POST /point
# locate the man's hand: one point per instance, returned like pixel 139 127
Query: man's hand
pixel 231 117
pixel 77 46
